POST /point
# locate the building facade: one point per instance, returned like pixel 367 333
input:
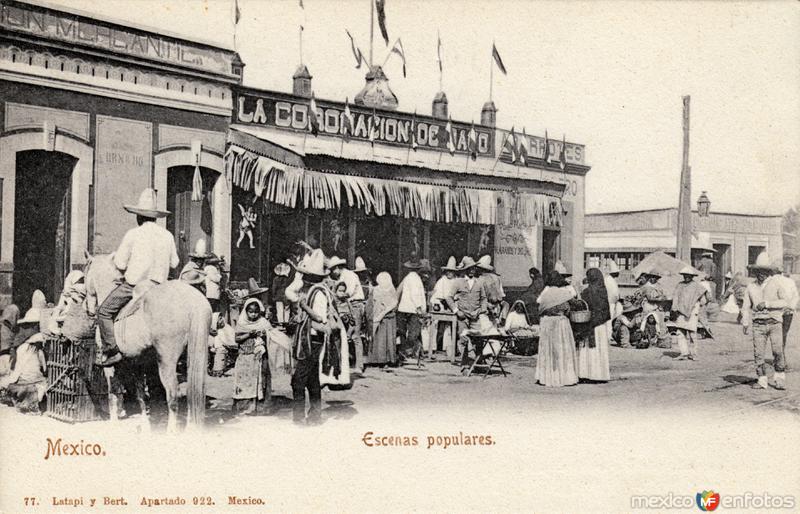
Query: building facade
pixel 627 237
pixel 92 112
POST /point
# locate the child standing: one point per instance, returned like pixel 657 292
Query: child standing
pixel 251 375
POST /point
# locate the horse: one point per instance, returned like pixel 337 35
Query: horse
pixel 171 317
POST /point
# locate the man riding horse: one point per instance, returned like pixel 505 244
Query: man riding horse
pixel 147 253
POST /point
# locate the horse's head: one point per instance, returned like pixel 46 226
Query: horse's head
pixel 100 276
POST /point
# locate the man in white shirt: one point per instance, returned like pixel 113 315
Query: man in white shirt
pixel 146 253
pixel 411 308
pixel 354 295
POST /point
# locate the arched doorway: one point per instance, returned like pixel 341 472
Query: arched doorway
pixel 42 200
pixel 190 220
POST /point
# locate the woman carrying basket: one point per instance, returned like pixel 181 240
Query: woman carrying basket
pixel 557 362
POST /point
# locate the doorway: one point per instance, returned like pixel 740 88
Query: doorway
pixel 42 201
pixel 722 258
pixel 189 220
pixel 550 249
pixel 753 252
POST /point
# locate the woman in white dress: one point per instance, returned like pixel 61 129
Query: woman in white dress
pixel 557 362
pixel 593 341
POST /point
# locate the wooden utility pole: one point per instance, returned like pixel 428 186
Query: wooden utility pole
pixel 684 237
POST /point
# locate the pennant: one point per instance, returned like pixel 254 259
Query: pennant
pixel 472 142
pixel 498 60
pixel 347 121
pixel 546 157
pixel 509 145
pixel 237 14
pixel 398 49
pixel 380 6
pixel 522 150
pixel 197 178
pixel 414 144
pixel 451 137
pixel 356 51
pixel 439 50
pixel 313 121
pixel 562 156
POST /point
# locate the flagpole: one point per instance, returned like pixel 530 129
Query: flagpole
pixel 438 54
pixel 491 74
pixel 301 45
pixel 371 29
pixel 500 151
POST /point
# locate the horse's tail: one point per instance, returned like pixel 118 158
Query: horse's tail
pixel 197 352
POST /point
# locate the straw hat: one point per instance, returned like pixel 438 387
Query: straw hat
pixel 313 264
pixel 729 275
pixel 553 296
pixel 34 315
pixel 777 265
pixel 688 270
pixel 485 263
pixel 451 264
pixel 561 269
pixel 38 300
pixel 629 306
pixel 762 262
pixel 611 264
pixel 425 265
pixel 466 263
pixel 336 261
pixel 282 269
pixel 147 206
pixel 360 265
pixel 412 263
pixel 253 289
pixel 194 277
pixel 200 250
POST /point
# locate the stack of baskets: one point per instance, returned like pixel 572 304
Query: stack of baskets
pixel 77 389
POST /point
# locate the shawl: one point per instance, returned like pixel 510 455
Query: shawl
pixel 686 295
pixel 596 297
pixel 8 326
pixel 384 298
pixel 244 325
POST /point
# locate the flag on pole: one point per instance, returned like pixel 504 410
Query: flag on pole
pixel 451 137
pixel 237 14
pixel 414 144
pixel 439 50
pixel 356 51
pixel 373 127
pixel 546 157
pixel 562 156
pixel 498 60
pixel 347 121
pixel 522 149
pixel 380 7
pixel 313 121
pixel 472 142
pixel 398 49
pixel 510 144
pixel 197 178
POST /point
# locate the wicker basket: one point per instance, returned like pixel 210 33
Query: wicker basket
pixel 77 389
pixel 580 316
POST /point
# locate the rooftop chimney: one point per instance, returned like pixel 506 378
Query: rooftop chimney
pixel 489 114
pixel 439 109
pixel 301 82
pixel 376 92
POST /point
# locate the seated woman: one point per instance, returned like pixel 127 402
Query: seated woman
pixel 252 380
pixel 556 365
pixel 25 386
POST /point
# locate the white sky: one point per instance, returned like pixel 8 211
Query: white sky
pixel 609 75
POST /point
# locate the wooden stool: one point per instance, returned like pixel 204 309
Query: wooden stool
pixel 449 341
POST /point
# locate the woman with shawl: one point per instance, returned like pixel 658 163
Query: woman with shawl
pixel 557 361
pixel 8 330
pixel 384 324
pixel 593 341
pixel 251 374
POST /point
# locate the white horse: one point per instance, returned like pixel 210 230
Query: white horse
pixel 171 316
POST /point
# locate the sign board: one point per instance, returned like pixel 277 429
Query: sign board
pixel 575 153
pixel 84 31
pixel 515 252
pixel 292 113
pixel 123 162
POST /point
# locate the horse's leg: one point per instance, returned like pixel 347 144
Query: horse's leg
pixel 144 420
pixel 113 399
pixel 169 379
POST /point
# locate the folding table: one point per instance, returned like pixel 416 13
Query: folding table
pixel 479 343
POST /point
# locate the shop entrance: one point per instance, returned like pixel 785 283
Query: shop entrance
pixel 377 243
pixel 42 204
pixel 550 249
pixel 722 258
pixel 189 220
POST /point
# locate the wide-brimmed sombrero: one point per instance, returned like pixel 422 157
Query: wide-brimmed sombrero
pixel 147 206
pixel 253 289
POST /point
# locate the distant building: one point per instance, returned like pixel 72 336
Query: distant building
pixel 627 237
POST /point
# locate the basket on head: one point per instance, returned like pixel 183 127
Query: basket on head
pixel 580 316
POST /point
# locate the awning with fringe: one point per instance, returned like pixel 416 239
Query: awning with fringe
pixel 298 187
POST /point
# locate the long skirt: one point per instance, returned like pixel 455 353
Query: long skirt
pixel 593 362
pixel 557 361
pixel 383 348
pixel 252 383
